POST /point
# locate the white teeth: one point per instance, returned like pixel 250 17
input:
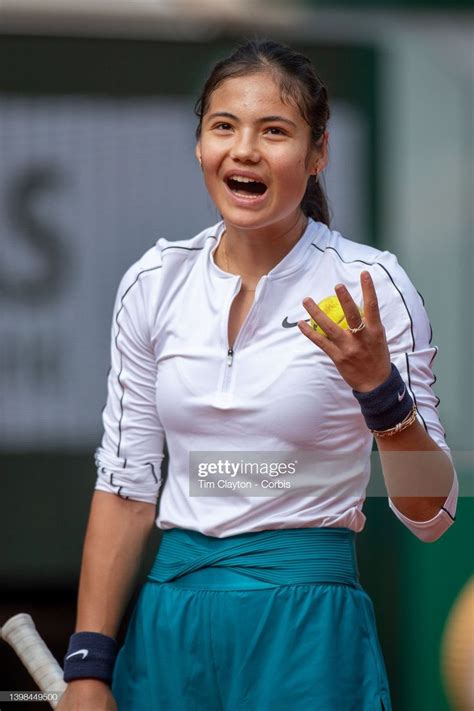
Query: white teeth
pixel 242 179
pixel 246 196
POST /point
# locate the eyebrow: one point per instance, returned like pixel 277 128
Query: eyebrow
pixel 263 119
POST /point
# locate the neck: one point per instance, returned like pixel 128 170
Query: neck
pixel 256 252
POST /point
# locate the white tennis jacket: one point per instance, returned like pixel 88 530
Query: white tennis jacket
pixel 174 377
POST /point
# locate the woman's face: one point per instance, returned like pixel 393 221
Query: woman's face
pixel 256 153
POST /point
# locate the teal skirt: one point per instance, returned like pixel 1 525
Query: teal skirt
pixel 267 621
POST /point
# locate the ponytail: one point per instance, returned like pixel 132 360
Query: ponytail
pixel 315 203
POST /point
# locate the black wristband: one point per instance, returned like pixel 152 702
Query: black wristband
pixel 386 405
pixel 90 655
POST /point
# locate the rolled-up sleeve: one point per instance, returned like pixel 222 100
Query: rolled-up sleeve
pixel 131 452
pixel 429 531
pixel 409 337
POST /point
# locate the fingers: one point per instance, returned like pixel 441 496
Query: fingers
pixel 317 338
pixel 360 355
pixel 353 316
pixel 371 304
pixel 351 311
pixel 327 324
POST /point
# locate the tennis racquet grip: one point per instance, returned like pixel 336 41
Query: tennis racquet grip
pixel 21 634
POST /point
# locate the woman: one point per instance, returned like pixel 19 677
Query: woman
pixel 254 601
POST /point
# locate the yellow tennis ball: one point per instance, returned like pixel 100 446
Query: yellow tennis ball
pixel 333 309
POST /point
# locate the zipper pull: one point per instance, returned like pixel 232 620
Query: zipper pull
pixel 230 357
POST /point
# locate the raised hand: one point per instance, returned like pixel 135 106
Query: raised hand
pixel 360 353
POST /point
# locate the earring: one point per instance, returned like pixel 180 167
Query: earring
pixel 200 161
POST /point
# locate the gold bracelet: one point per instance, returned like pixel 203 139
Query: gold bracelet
pixel 409 420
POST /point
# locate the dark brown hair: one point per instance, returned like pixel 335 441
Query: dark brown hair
pixel 299 83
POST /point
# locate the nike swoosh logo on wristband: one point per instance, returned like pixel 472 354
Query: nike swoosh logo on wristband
pixel 84 653
pixel 402 394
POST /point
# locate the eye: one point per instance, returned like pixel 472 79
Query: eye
pixel 275 131
pixel 223 126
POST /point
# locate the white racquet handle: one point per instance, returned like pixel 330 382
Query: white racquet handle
pixel 21 634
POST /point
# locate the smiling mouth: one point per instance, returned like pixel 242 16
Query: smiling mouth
pixel 245 187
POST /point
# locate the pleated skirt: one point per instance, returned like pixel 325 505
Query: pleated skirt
pixel 267 621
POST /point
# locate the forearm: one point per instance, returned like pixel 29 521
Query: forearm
pixel 418 474
pixel 116 537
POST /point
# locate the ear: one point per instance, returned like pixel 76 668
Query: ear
pixel 321 155
pixel 197 153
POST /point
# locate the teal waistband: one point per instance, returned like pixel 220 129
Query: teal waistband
pixel 258 559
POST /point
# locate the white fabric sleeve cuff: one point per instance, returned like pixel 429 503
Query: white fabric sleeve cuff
pixel 140 482
pixel 430 531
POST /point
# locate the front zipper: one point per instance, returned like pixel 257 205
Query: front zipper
pixel 230 349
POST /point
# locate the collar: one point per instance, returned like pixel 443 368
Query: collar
pixel 291 262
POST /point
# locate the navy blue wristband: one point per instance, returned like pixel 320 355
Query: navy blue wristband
pixel 90 655
pixel 386 405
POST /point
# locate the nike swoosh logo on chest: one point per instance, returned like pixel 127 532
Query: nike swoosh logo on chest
pixel 286 324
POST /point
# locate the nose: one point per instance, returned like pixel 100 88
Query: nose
pixel 245 148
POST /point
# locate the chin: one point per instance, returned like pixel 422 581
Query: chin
pixel 250 225
pixel 251 221
pixel 248 218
